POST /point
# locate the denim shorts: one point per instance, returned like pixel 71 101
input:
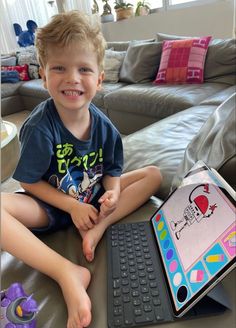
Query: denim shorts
pixel 59 219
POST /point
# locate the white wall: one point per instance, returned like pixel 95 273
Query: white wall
pixel 216 19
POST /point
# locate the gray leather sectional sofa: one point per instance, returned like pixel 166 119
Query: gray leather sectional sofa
pixel 134 98
pixel 168 126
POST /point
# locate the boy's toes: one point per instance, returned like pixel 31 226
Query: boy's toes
pixel 88 249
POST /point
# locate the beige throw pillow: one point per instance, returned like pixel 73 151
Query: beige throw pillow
pixel 112 64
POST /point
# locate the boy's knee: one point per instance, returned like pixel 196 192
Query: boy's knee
pixel 4 197
pixel 154 172
pixel 5 200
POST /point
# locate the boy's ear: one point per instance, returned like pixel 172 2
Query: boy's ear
pixel 43 76
pixel 100 79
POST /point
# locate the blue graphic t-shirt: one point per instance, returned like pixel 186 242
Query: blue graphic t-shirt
pixel 50 152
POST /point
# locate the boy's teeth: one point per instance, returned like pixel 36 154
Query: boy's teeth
pixel 72 93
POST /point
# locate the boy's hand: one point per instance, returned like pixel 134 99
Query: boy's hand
pixel 108 203
pixel 84 216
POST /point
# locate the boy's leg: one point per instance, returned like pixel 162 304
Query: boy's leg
pixel 136 188
pixel 19 211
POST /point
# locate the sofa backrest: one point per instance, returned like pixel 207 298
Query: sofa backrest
pixel 219 65
pixel 215 144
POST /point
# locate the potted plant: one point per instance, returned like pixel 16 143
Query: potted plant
pixel 142 9
pixel 106 15
pixel 123 10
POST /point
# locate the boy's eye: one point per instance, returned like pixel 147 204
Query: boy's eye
pixel 84 69
pixel 58 68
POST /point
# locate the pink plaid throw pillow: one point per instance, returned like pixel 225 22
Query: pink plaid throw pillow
pixel 182 61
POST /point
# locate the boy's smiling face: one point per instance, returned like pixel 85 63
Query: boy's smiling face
pixel 71 75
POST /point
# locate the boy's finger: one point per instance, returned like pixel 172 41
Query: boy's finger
pixel 94 216
pixel 89 224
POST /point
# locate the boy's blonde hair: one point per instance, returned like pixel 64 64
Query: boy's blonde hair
pixel 67 27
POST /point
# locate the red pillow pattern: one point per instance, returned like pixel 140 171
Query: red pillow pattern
pixel 21 69
pixel 182 61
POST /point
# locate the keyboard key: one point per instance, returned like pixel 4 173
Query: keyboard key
pixel 147 308
pixel 151 276
pixel 133 277
pixel 135 293
pixel 138 311
pixel 115 263
pixel 116 283
pixel 125 282
pixel 148 317
pixel 146 299
pixel 134 284
pixel 153 284
pixel 154 292
pixel 128 316
pixel 118 321
pixel 125 290
pixel 124 274
pixel 159 313
pixel 117 310
pixel 156 301
pixel 126 298
pixel 144 289
pixel 117 301
pixel 116 292
pixel 136 301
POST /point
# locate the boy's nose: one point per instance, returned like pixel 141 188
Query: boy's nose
pixel 73 76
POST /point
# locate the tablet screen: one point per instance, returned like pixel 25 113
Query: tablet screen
pixel 196 234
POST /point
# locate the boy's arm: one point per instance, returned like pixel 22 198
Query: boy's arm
pixel 83 215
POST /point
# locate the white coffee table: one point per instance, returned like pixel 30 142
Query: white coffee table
pixel 9 149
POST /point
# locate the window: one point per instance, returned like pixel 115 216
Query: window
pixel 177 2
pixel 152 3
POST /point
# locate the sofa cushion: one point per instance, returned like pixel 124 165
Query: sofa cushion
pixel 219 97
pixel 220 65
pixel 182 61
pixel 107 87
pixel 8 60
pixel 118 45
pixel 141 62
pixel 214 144
pixel 9 89
pixel 34 88
pixel 112 64
pixel 123 45
pixel 163 143
pixel 164 36
pixel 158 101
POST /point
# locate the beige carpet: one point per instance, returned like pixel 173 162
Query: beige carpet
pixel 10 184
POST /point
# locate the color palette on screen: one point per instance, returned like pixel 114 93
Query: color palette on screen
pixel 171 261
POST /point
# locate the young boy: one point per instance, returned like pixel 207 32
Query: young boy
pixel 71 163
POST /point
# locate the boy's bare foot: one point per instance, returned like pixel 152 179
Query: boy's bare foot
pixel 74 281
pixel 91 238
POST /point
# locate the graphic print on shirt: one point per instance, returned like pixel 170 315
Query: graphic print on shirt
pixel 77 174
